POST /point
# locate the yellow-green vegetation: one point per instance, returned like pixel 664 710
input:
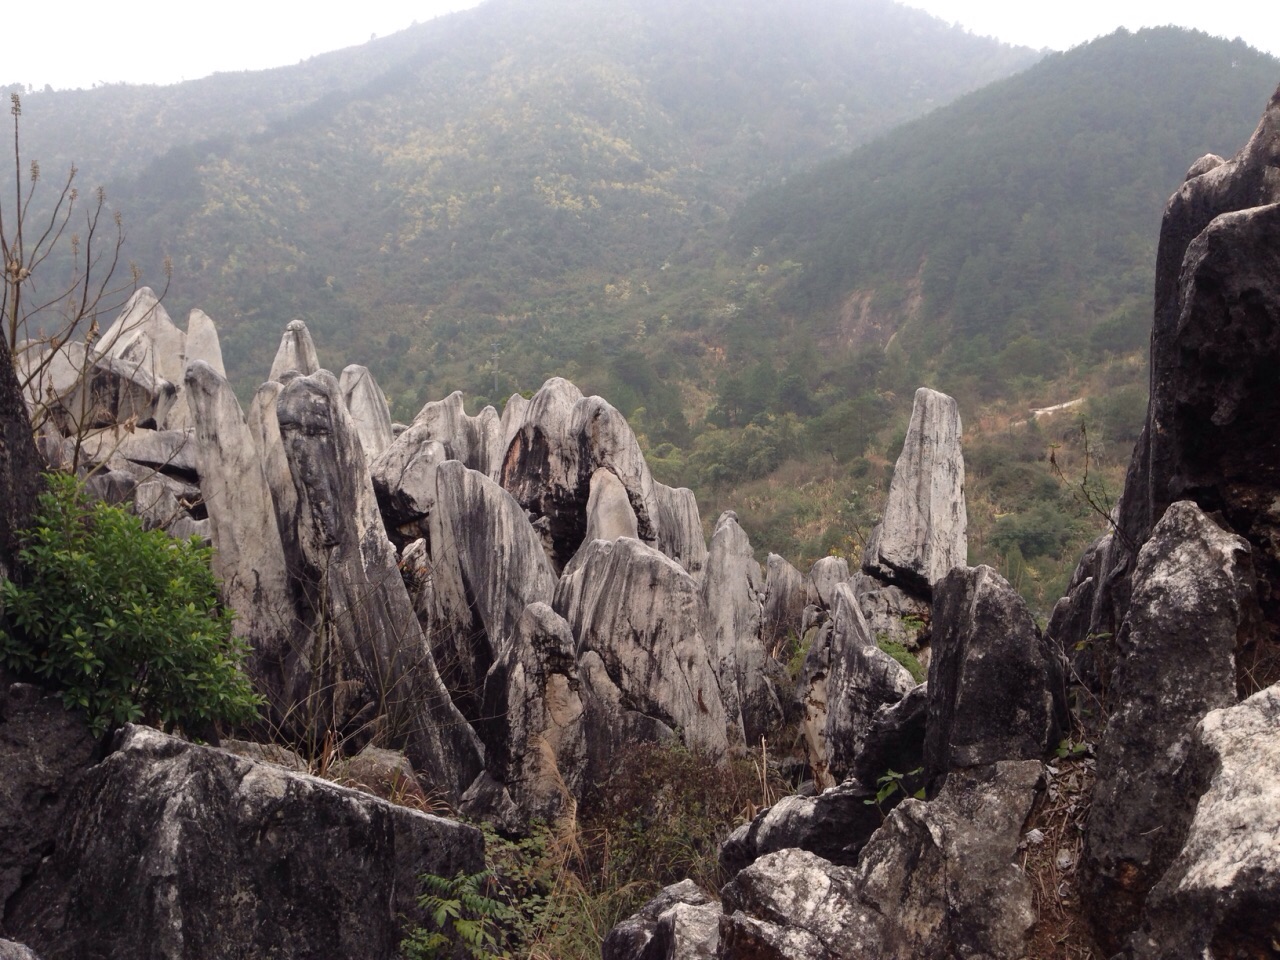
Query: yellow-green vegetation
pixel 659 819
pixel 124 622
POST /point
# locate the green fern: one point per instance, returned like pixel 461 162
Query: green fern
pixel 463 919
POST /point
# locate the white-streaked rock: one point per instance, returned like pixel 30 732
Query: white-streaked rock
pixel 488 566
pixel 680 534
pixel 367 405
pixel 924 530
pixel 639 612
pixel 297 352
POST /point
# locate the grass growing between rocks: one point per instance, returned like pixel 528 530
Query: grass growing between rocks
pixel 660 818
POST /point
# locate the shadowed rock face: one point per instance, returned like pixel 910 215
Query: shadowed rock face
pixel 938 879
pixel 372 658
pixel 862 679
pixel 533 720
pixel 990 680
pixel 488 567
pixel 924 530
pixel 207 849
pixel 784 600
pixel 1215 346
pixel 638 612
pixel 564 440
pixel 44 751
pixel 1193 594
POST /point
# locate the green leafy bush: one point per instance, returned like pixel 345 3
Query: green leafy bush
pixel 125 622
pixel 463 919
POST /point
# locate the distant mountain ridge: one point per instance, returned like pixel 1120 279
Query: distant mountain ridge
pixel 472 163
pixel 1024 210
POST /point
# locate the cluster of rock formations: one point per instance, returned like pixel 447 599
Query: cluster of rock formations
pixel 1168 637
pixel 512 599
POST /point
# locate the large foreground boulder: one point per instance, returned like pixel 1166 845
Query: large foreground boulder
pixel 991 679
pixel 44 751
pixel 1192 596
pixel 206 851
pixel 938 879
pixel 680 923
pixel 1221 896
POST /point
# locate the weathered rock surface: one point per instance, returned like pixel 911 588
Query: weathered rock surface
pixel 367 405
pixel 203 343
pixel 609 513
pixel 991 694
pixel 895 741
pixel 680 528
pixel 44 751
pixel 1221 896
pixel 924 530
pixel 639 613
pixel 680 923
pixel 938 879
pixel 862 679
pixel 475 441
pixel 835 825
pixel 564 440
pixel 533 720
pixel 488 566
pixel 1192 595
pixel 170 451
pixel 825 575
pixel 894 615
pixel 404 479
pixel 9 950
pixel 731 596
pixel 373 660
pixel 249 557
pixel 144 336
pixel 207 849
pixel 296 353
pixel 114 391
pixel 784 601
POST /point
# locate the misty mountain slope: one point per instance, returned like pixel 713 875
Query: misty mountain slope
pixel 469 166
pixel 1025 211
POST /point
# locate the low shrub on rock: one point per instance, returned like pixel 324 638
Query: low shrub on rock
pixel 126 623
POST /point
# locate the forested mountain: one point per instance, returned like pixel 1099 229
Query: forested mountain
pixel 1023 214
pixel 721 216
pixel 464 174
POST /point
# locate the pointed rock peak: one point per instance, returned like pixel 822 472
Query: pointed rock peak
pixel 475 441
pixel 924 531
pixel 203 343
pixel 609 513
pixel 297 352
pixel 368 407
pixel 144 335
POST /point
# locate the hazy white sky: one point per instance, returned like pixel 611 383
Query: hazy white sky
pixel 147 41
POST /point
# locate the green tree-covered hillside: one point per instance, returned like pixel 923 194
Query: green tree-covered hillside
pixel 476 173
